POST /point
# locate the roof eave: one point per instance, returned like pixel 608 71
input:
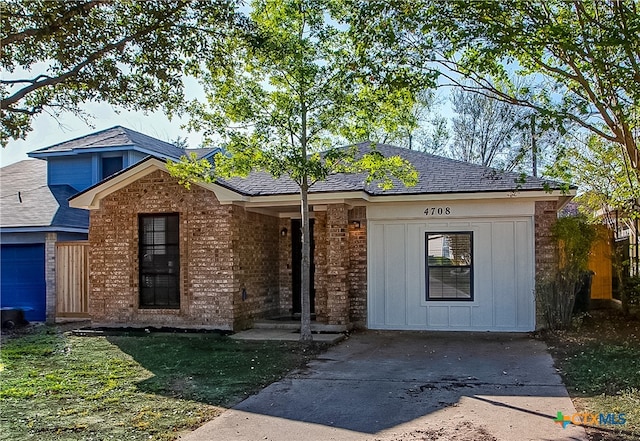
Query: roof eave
pixel 360 197
pixel 120 148
pixel 39 229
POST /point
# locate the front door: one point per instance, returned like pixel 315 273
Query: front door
pixel 296 265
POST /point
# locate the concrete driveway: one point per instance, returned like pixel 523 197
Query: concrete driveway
pixel 410 386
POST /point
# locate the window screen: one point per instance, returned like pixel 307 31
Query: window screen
pixel 449 266
pixel 159 261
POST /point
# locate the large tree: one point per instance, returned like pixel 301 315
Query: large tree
pixel 295 92
pixel 130 53
pixel 583 57
pixel 606 179
pixel 485 131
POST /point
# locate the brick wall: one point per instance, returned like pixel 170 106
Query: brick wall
pixel 337 282
pixel 214 239
pixel 284 264
pixel 320 261
pixel 340 258
pixel 255 246
pixel 358 267
pixel 545 247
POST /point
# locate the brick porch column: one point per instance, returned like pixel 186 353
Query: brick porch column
pixel 337 264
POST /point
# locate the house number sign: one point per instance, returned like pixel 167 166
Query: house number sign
pixel 437 211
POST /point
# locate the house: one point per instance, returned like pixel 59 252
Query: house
pixel 35 214
pixel 459 251
pixel 33 217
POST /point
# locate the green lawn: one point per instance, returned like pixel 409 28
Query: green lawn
pixel 129 387
pixel 600 364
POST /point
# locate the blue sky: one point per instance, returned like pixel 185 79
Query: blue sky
pixel 47 131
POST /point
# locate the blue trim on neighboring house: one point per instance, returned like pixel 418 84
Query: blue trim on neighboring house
pixel 95 169
pixel 81 151
pixel 25 237
pixel 69 237
pixel 49 229
pixel 73 152
pixel 209 155
pixel 14 237
pixel 148 158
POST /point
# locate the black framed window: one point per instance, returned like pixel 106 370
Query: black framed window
pixel 111 165
pixel 449 266
pixel 159 254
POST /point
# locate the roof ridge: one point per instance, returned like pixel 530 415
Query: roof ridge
pixel 112 137
pixel 463 162
pixel 76 138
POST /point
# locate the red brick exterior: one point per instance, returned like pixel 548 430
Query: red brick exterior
pixel 340 258
pixel 545 247
pixel 223 250
pixel 235 265
pixel 320 261
pixel 358 267
pixel 284 264
pixel 337 265
pixel 546 250
pixel 341 265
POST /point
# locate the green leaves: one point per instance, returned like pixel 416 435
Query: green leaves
pixel 190 170
pixel 603 172
pixel 385 171
pixel 293 90
pixel 582 58
pixel 130 53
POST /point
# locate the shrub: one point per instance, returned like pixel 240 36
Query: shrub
pixel 556 292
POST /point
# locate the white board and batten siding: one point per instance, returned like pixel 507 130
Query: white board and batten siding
pixel 503 266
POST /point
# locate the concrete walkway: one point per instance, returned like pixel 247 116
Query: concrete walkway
pixel 285 335
pixel 396 386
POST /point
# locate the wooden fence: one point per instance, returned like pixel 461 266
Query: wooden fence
pixel 72 279
pixel 600 262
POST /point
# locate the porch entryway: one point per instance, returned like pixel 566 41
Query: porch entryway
pixel 296 265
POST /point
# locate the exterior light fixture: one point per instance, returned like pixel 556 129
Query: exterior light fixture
pixel 283 232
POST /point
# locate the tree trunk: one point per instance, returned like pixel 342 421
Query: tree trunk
pixel 305 320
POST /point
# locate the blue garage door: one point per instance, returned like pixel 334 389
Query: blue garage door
pixel 22 279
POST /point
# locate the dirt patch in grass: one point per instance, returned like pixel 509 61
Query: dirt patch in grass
pixel 155 387
pixel 599 360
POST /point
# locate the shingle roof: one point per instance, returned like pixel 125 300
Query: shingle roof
pixel 437 175
pixel 27 201
pixel 201 153
pixel 117 136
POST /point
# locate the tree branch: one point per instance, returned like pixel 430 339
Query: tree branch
pixel 52 81
pixel 51 28
pixel 619 8
pixel 488 90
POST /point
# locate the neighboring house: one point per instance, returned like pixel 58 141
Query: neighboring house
pixel 625 228
pixel 459 251
pixel 35 215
